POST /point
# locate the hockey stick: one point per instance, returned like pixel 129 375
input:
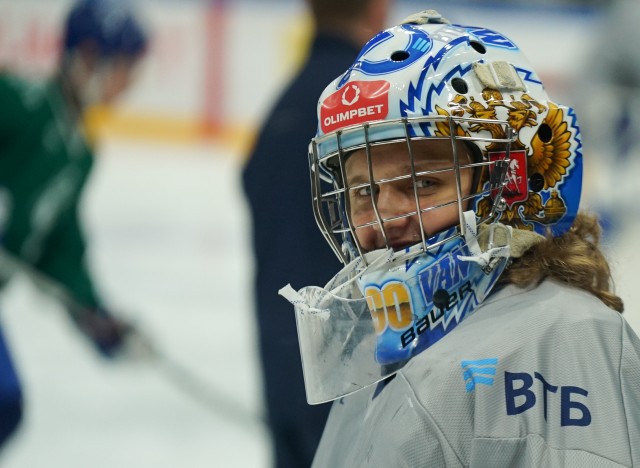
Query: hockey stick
pixel 140 344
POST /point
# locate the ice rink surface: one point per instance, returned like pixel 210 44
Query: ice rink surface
pixel 170 252
pixel 170 249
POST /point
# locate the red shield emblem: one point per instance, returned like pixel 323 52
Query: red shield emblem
pixel 516 187
pixel 357 102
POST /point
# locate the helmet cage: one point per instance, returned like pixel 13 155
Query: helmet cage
pixel 331 202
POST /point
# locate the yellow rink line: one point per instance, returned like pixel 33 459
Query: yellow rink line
pixel 160 128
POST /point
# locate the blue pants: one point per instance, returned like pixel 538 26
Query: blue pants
pixel 10 394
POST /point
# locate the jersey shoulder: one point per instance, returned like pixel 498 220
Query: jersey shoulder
pixel 21 99
pixel 534 366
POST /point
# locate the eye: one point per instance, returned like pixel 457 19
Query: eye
pixel 424 184
pixel 363 191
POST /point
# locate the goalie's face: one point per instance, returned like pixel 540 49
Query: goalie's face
pixel 384 203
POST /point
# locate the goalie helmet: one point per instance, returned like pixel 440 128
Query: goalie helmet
pixel 436 138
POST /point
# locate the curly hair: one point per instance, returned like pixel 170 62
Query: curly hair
pixel 573 258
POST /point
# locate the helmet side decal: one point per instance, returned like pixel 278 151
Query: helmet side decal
pixel 516 184
pixel 358 102
pixel 537 170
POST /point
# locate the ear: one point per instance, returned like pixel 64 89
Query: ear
pixel 89 51
pixel 77 67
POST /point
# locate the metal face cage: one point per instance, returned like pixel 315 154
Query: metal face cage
pixel 487 158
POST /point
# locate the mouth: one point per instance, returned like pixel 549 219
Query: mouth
pixel 402 244
pixel 397 245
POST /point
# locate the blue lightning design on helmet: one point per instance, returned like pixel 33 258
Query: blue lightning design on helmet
pixel 527 75
pixel 489 36
pixel 415 93
pixel 420 43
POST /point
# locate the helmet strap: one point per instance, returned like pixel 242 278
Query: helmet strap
pixel 497 247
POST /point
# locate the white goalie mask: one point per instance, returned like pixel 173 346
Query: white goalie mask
pixel 438 137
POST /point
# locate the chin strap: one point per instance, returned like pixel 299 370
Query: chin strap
pixel 522 240
pixel 495 238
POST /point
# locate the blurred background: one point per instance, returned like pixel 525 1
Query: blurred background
pixel 169 226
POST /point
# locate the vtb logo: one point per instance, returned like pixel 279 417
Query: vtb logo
pixel 522 394
pixel 479 371
pixel 525 392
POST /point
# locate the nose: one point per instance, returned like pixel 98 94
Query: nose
pixel 394 205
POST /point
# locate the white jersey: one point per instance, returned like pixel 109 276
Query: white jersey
pixel 534 378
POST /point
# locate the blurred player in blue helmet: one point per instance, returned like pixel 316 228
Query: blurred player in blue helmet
pixel 45 161
pixel 474 322
pixel 102 44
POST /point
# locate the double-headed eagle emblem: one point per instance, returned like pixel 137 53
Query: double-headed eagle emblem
pixel 547 159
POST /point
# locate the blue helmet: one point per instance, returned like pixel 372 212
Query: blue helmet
pixel 111 24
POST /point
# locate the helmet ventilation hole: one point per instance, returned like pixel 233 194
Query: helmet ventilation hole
pixel 536 182
pixel 400 56
pixel 478 47
pixel 544 133
pixel 460 85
